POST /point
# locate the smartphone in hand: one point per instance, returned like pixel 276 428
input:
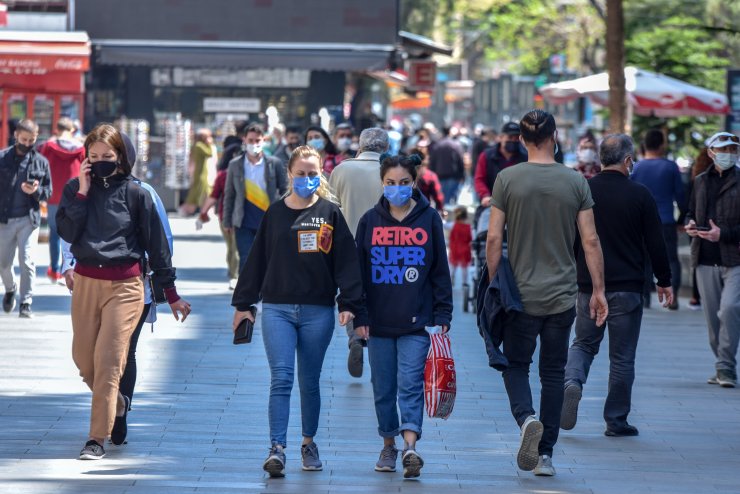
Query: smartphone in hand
pixel 702 228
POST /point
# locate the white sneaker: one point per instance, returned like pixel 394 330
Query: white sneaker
pixel 232 283
pixel 528 456
pixel 544 467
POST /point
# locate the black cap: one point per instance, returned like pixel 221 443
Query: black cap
pixel 510 128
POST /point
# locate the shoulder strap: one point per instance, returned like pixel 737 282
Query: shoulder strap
pixel 132 201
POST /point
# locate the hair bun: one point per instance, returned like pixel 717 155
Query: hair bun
pixel 384 157
pixel 415 159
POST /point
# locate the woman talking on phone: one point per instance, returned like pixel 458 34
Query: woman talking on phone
pixel 302 253
pixel 110 222
pixel 407 282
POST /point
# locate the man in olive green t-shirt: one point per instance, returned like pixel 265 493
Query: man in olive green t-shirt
pixel 541 203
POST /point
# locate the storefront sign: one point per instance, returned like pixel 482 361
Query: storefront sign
pixel 262 78
pixel 41 64
pixel 230 105
pixel 422 75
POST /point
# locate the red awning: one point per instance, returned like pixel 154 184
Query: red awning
pixel 43 60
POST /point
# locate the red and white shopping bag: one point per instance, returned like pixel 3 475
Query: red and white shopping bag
pixel 440 385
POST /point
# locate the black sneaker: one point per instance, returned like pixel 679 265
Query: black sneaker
pixel 355 358
pixel 626 431
pixel 9 301
pixel 569 413
pixel 275 462
pixel 92 451
pixel 120 428
pixel 726 378
pixel 25 311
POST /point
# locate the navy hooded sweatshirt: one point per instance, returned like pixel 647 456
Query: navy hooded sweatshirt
pixel 404 270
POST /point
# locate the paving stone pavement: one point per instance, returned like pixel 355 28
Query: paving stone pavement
pixel 199 417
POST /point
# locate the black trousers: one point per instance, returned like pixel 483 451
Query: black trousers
pixel 520 341
pixel 128 379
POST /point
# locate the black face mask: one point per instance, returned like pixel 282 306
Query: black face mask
pixel 22 148
pixel 511 147
pixel 103 169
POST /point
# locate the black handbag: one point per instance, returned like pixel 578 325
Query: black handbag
pixel 243 333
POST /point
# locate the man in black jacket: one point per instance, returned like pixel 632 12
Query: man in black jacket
pixel 25 181
pixel 626 219
pixel 446 160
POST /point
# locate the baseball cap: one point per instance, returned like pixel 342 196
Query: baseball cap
pixel 510 128
pixel 722 139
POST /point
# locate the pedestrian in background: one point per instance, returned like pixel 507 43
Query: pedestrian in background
pixel 428 181
pixel 203 159
pixel 461 238
pixel 292 141
pixel 25 181
pixel 628 226
pixel 663 178
pixel 403 256
pixel 112 224
pixel 65 154
pixel 714 228
pixel 701 164
pixel 587 154
pixel 357 187
pixel 508 151
pixel 317 138
pixel 542 203
pixel 216 198
pixel 446 160
pixel 253 182
pixel 343 135
pixel 303 252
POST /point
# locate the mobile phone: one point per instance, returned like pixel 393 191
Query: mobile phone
pixel 702 228
pixel 30 181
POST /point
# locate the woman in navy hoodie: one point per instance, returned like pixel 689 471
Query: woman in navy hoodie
pixel 402 251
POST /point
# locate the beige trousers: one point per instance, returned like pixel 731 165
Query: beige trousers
pixel 232 254
pixel 104 315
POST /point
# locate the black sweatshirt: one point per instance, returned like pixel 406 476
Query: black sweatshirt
pixel 405 270
pixel 114 226
pixel 301 256
pixel 628 223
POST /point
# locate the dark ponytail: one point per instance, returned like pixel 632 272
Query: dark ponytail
pixel 409 163
pixel 537 127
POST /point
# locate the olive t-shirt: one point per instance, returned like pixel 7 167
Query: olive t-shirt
pixel 541 203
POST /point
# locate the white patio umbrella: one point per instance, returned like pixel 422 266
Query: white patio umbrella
pixel 648 94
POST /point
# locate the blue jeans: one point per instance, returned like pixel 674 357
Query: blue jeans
pixel 244 240
pixel 624 320
pixel 397 366
pixel 520 341
pixel 450 189
pixel 55 243
pixel 287 330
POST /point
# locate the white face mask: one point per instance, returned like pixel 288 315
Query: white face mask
pixel 725 160
pixel 254 149
pixel 586 156
pixel 344 143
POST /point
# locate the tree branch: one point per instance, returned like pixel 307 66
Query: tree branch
pixel 598 8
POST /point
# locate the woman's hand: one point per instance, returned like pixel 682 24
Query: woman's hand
pixel 183 307
pixel 84 177
pixel 445 328
pixel 362 332
pixel 345 317
pixel 69 279
pixel 239 316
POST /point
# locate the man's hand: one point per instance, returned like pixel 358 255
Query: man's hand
pixel 665 295
pixel 29 188
pixel 229 230
pixel 485 202
pixel 69 279
pixel 599 308
pixel 712 235
pixel 183 307
pixel 345 317
pixel 362 332
pixel 239 316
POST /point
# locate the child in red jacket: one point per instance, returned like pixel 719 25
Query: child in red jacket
pixel 461 237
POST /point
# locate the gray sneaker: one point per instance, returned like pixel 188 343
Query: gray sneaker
pixel 713 380
pixel 569 413
pixel 528 455
pixel 412 464
pixel 310 456
pixel 275 462
pixel 387 460
pixel 726 378
pixel 92 451
pixel 544 467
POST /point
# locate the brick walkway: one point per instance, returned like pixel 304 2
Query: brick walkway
pixel 199 422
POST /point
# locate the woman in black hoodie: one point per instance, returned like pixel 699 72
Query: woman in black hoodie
pixel 111 223
pixel 407 283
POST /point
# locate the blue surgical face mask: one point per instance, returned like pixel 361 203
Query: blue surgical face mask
pixel 318 143
pixel 398 195
pixel 306 186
